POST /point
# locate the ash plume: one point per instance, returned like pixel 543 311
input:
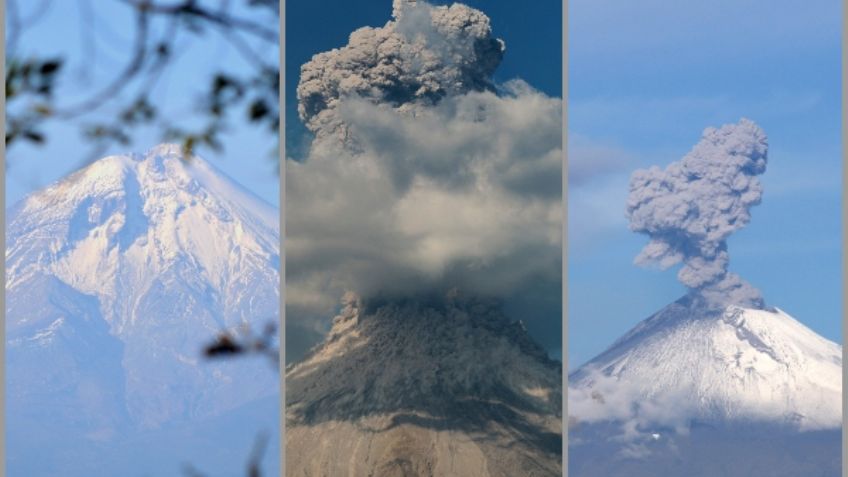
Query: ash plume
pixel 690 208
pixel 422 55
pixel 423 174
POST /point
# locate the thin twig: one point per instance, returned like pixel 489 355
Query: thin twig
pixel 36 14
pixel 242 47
pixel 17 23
pixel 14 17
pixel 254 464
pixel 89 44
pixel 133 67
pixel 190 7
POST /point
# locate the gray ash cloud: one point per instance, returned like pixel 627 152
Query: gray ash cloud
pixel 422 55
pixel 423 173
pixel 690 208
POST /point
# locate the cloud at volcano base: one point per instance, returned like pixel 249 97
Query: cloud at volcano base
pixel 436 197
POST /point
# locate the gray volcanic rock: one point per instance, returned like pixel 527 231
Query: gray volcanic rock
pixel 424 388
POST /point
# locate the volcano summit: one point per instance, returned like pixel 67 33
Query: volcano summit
pixel 716 383
pixel 445 387
pixel 116 278
pixel 696 392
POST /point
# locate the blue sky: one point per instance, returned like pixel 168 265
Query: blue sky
pixel 249 154
pixel 645 79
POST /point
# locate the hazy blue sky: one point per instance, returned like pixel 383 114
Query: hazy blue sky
pixel 249 155
pixel 645 79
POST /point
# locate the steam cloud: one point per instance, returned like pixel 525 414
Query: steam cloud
pixel 423 175
pixel 690 209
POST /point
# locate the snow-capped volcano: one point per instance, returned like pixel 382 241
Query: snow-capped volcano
pixel 689 377
pixel 116 277
pixel 424 387
pixel 113 228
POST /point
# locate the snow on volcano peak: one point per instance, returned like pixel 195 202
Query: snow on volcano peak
pixel 129 219
pixel 132 265
pixel 738 365
pixel 700 392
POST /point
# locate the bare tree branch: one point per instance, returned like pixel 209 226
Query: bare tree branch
pixel 191 9
pixel 14 17
pixel 17 23
pixel 149 59
pixel 89 44
pixel 123 79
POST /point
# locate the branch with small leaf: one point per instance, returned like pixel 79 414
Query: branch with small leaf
pixel 32 83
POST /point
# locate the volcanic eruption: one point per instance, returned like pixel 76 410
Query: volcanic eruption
pixel 716 383
pixel 430 203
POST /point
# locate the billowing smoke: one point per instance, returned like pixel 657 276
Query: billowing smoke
pixel 424 175
pixel 690 209
pixel 425 54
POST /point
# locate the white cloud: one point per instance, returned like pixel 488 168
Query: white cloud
pixel 637 415
pixel 466 193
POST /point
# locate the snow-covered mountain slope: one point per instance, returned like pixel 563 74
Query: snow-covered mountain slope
pixel 115 227
pixel 427 388
pixel 690 375
pixel 117 276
